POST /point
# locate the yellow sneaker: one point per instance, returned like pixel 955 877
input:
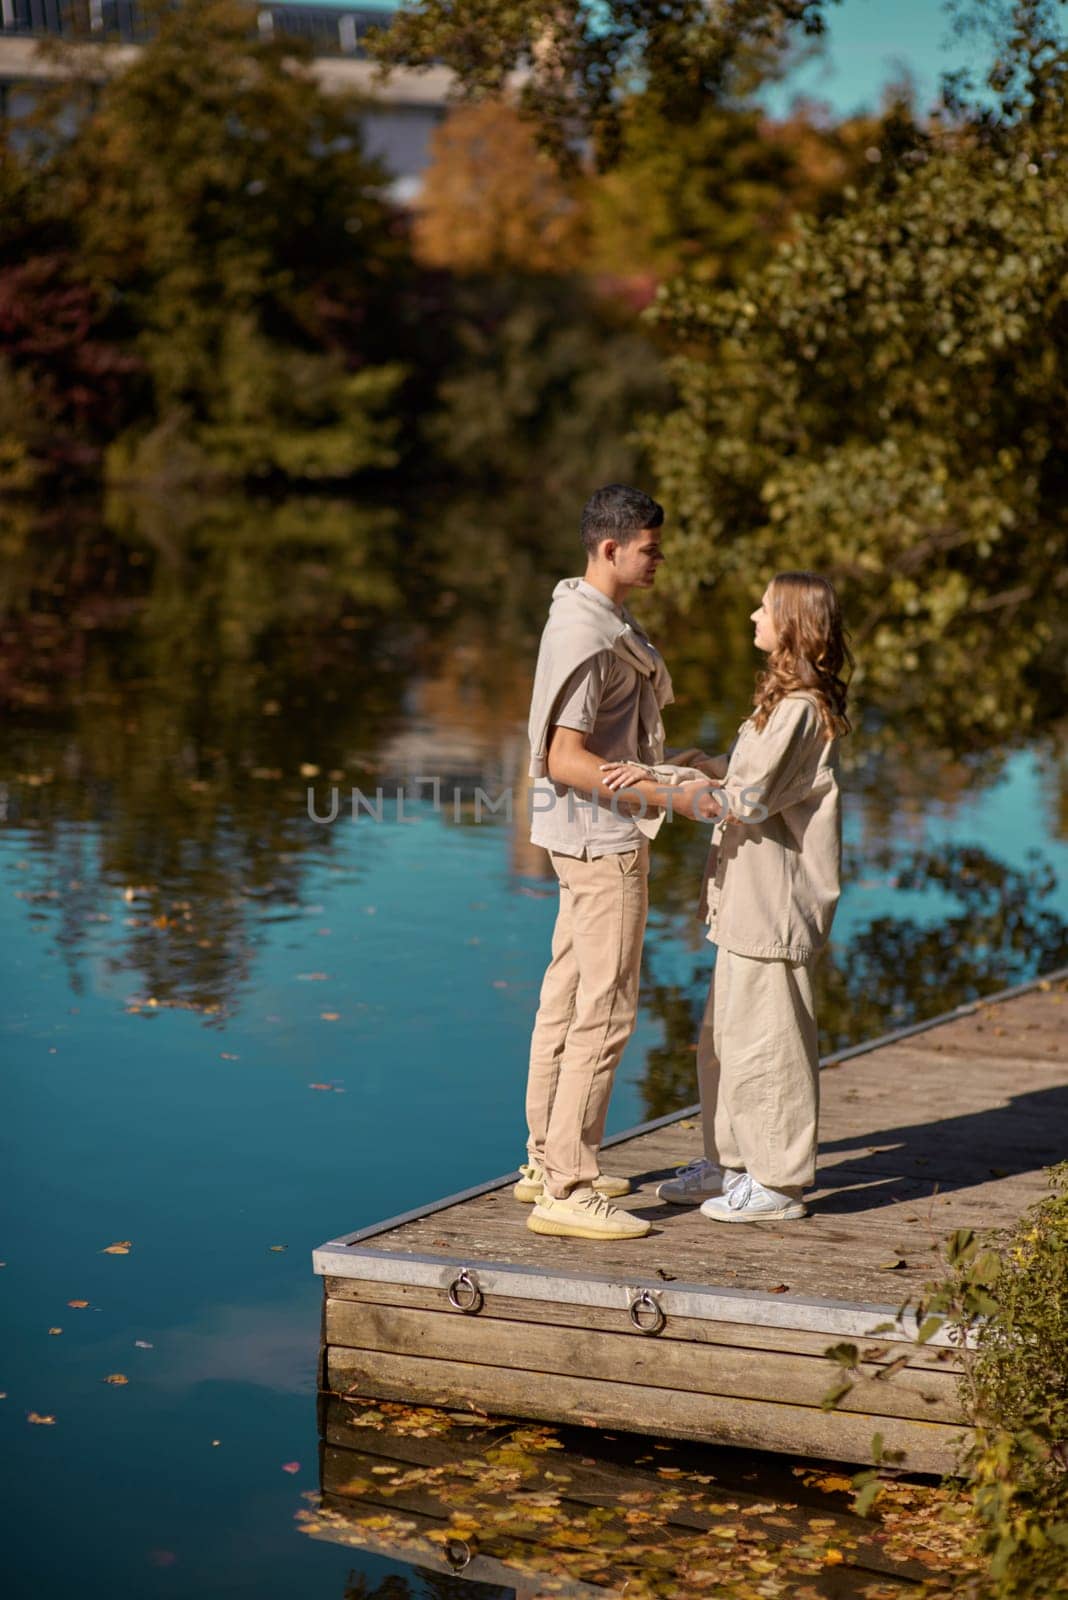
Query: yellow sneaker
pixel 532 1182
pixel 584 1214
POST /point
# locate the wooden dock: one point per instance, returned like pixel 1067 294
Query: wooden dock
pixel 703 1332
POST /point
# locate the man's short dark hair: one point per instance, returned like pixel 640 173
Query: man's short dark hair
pixel 618 512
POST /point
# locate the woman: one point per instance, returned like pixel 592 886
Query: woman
pixel 769 896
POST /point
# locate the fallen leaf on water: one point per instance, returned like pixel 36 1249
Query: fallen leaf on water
pixel 277 1247
pixel 831 1482
pixel 330 1016
pixel 121 1248
pixel 55 1330
pixel 35 1416
pixel 832 1557
pixel 78 1305
pixel 226 1056
pixel 290 1466
pixel 116 1377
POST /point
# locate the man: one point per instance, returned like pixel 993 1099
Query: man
pixel 599 688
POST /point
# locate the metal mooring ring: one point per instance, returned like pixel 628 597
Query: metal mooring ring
pixel 464 1293
pixel 640 1306
pixel 458 1554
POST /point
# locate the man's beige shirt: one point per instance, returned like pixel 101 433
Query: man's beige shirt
pixel 601 699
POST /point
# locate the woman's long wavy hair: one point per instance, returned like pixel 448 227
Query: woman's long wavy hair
pixel 812 652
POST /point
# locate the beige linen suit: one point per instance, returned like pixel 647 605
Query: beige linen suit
pixel 769 895
pixel 597 672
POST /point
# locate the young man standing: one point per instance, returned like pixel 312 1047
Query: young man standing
pixel 599 688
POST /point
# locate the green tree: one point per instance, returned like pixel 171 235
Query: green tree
pixel 575 62
pixel 712 196
pixel 887 400
pixel 222 203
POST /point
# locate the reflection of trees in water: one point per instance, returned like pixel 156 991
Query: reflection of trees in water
pixel 170 667
pixel 169 676
pixel 896 970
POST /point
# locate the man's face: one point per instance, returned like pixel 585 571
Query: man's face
pixel 636 562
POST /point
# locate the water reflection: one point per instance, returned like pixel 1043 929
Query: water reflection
pixel 537 1511
pixel 174 677
pixel 180 672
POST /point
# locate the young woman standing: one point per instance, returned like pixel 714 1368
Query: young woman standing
pixel 769 896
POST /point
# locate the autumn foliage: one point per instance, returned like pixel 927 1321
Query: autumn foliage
pixel 492 201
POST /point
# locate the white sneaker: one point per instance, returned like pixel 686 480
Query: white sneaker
pixel 749 1201
pixel 698 1181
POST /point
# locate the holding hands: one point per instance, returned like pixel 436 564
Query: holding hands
pixel 696 798
pixel 624 774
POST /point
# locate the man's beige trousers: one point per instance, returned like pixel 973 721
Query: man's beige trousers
pixel 587 1011
pixel 758 1069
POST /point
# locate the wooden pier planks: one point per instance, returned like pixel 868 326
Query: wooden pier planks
pixel 942 1128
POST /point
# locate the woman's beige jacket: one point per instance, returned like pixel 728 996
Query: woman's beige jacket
pixel 771 882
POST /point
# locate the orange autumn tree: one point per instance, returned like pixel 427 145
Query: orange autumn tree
pixel 492 201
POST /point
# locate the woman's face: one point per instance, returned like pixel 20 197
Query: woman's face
pixel 765 636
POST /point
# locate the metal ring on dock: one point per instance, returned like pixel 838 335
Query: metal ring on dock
pixel 643 1303
pixel 458 1554
pixel 465 1284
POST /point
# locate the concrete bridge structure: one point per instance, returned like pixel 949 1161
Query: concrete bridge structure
pixel 402 111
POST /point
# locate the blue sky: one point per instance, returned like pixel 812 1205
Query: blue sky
pixel 868 44
pixel 869 41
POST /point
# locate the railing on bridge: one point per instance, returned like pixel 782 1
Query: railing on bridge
pixel 330 30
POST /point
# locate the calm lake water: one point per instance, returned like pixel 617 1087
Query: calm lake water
pixel 231 1032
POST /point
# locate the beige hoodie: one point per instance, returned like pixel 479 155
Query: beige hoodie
pixel 582 622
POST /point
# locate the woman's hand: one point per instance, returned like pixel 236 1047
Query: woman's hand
pixel 698 800
pixel 622 774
